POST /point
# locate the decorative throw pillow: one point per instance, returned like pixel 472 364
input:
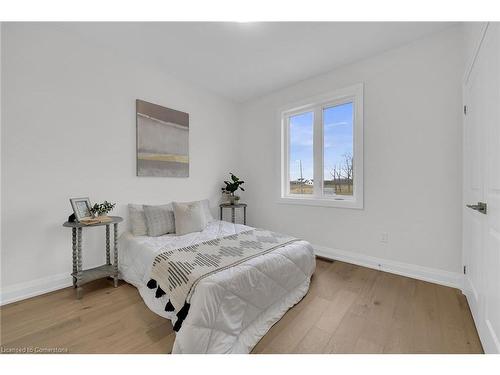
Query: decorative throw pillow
pixel 159 220
pixel 137 220
pixel 189 217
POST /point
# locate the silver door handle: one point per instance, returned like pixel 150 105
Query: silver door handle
pixel 480 206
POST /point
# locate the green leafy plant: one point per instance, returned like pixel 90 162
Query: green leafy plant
pixel 233 185
pixel 103 208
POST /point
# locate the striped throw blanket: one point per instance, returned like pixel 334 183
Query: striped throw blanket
pixel 177 272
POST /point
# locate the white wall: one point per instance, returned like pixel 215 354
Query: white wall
pixel 412 162
pixel 68 130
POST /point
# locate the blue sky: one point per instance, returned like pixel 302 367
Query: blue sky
pixel 338 137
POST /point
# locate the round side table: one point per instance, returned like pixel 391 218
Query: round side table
pixel 81 276
pixel 233 207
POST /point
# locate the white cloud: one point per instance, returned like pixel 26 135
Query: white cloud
pixel 334 124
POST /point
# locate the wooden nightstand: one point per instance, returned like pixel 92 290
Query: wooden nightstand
pixel 81 276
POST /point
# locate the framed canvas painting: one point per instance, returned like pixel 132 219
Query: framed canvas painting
pixel 162 141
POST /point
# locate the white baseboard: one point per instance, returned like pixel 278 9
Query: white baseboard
pixel 447 278
pixel 34 288
pixel 37 287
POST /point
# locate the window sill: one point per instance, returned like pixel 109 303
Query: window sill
pixel 327 202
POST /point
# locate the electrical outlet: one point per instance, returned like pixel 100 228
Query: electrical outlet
pixel 384 237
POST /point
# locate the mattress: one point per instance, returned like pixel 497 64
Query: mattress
pixel 232 309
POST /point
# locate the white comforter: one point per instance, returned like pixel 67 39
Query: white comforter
pixel 232 309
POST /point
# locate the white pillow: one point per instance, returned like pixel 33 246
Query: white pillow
pixel 137 219
pixel 189 217
pixel 159 219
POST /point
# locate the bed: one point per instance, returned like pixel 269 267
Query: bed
pixel 231 310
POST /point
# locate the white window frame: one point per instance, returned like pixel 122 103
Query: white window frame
pixel 316 105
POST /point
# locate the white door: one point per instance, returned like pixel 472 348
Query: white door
pixel 482 184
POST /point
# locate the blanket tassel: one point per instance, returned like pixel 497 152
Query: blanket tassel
pixel 151 284
pixel 181 315
pixel 169 307
pixel 159 292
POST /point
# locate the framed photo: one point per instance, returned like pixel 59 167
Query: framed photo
pixel 81 208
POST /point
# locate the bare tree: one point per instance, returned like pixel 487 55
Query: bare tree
pixel 336 174
pixel 347 168
pixel 333 173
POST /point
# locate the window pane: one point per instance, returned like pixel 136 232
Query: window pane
pixel 338 150
pixel 301 153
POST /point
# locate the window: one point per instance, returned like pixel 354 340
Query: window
pixel 322 150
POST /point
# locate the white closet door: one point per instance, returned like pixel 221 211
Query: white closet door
pixel 482 184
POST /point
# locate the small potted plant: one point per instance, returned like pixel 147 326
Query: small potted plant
pixel 102 209
pixel 231 187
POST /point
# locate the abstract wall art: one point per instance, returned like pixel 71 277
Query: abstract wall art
pixel 162 141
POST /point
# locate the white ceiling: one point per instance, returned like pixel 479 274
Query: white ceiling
pixel 242 61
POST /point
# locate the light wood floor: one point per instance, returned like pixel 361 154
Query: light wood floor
pixel 349 309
